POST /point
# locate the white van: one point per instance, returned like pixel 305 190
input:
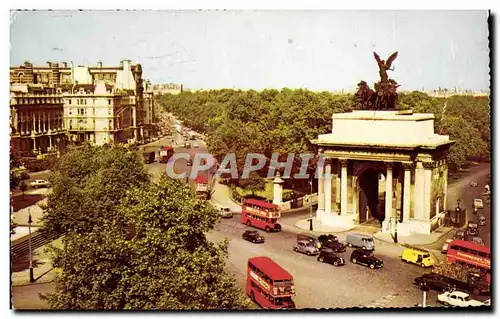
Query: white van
pixel 364 241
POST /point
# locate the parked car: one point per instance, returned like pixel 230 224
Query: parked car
pixel 196 145
pixel 472 228
pixel 325 238
pixel 418 256
pixel 481 220
pixel 364 241
pixel 24 176
pixel 435 282
pixel 366 258
pixel 473 183
pixel 225 212
pixel 331 243
pixel 477 240
pixel 459 234
pixel 458 299
pixel 39 183
pixel 193 138
pixel 478 203
pixel 306 247
pixel 253 236
pixel 189 162
pixel 330 258
pixel 444 249
pixel 310 238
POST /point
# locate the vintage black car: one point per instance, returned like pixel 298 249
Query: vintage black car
pixel 253 236
pixel 459 234
pixel 366 258
pixel 331 243
pixel 435 282
pixel 472 228
pixel 330 258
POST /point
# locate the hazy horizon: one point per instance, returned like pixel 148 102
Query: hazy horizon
pixel 316 50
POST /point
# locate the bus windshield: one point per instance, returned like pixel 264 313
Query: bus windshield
pixel 283 282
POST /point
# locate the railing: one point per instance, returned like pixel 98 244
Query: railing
pixel 20 247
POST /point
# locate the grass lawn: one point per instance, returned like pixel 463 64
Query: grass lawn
pixel 267 193
pixel 20 201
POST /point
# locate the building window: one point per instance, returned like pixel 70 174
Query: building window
pixel 69 111
pixel 109 111
pixel 110 122
pixel 77 102
pixel 109 101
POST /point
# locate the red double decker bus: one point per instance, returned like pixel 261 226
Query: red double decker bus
pixel 260 214
pixel 477 256
pixel 269 285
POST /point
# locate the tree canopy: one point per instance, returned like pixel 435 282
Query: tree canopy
pixel 87 182
pixel 132 243
pixel 285 121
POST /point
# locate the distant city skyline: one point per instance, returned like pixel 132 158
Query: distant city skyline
pixel 315 50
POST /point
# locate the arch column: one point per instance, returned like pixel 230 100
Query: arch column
pixel 419 191
pixel 337 187
pixel 321 193
pixel 406 191
pixel 388 220
pixel 343 187
pixel 354 192
pixel 328 188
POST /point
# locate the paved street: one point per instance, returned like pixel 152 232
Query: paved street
pixel 318 285
pixel 321 285
pixel 26 297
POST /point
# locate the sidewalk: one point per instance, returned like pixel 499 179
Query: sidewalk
pixel 416 239
pixel 42 267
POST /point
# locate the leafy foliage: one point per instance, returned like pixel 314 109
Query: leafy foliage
pixel 152 255
pixel 89 182
pixel 272 121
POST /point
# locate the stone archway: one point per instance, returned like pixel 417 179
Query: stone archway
pixel 368 181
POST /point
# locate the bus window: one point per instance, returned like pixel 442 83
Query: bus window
pixel 464 249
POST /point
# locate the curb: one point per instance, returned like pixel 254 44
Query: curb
pixel 291 210
pixel 321 231
pixel 402 245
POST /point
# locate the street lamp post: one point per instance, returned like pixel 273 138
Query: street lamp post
pixel 424 288
pixel 32 279
pixel 310 206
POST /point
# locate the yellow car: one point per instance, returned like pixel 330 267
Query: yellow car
pixel 418 256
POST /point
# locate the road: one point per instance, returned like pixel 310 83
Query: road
pixel 318 285
pixel 391 286
pixel 321 285
pixel 26 297
pixel 466 193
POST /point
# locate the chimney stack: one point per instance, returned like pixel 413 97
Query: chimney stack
pixel 65 64
pixel 99 64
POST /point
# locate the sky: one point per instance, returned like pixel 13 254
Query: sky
pixel 317 50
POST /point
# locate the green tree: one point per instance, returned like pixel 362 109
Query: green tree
pixel 152 255
pixel 87 182
pixel 14 163
pixel 23 187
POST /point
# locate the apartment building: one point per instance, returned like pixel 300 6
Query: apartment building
pixel 36 119
pixel 101 104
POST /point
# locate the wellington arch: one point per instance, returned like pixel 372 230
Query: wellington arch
pixel 383 164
